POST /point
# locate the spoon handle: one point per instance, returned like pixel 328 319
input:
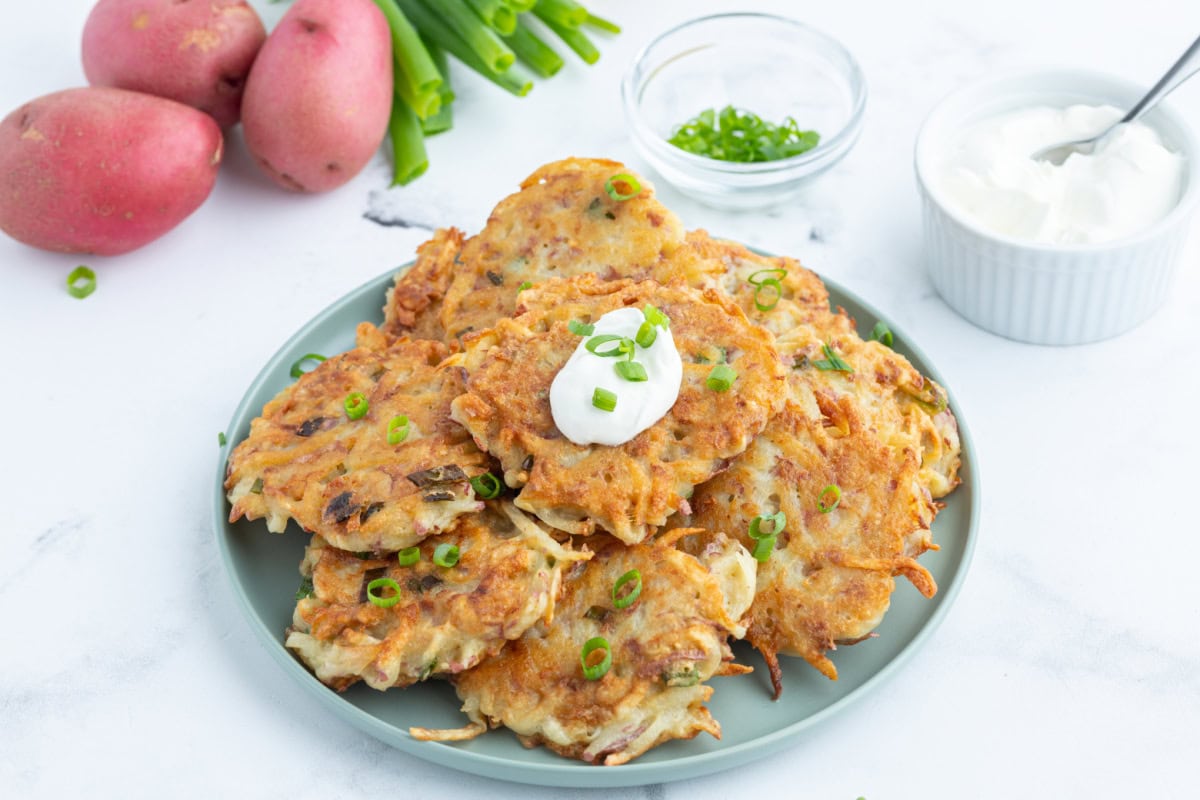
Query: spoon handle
pixel 1180 71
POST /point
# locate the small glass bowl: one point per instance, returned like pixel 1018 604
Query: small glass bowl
pixel 772 66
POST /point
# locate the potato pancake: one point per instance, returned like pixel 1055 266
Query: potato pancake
pixel 561 223
pixel 447 619
pixel 413 305
pixel 630 488
pixel 664 645
pixel 306 459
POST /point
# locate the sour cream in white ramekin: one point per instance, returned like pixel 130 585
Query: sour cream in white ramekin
pixel 1129 183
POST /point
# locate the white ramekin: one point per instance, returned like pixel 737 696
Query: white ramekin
pixel 1049 294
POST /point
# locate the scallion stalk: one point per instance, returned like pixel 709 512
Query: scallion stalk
pixel 443 120
pixel 602 24
pixel 573 38
pixel 496 14
pixel 435 30
pixel 409 159
pixel 417 78
pixel 533 52
pixel 564 12
pixel 482 40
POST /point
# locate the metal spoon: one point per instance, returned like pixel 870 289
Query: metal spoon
pixel 1187 66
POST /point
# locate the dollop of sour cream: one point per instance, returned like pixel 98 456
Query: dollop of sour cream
pixel 1130 182
pixel 640 404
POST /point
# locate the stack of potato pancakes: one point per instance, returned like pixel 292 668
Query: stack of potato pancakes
pixel 583 595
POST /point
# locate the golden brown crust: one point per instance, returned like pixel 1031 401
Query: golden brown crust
pixel 413 305
pixel 306 460
pixel 630 488
pixel 561 223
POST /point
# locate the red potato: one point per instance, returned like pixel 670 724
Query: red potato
pixel 103 170
pixel 198 52
pixel 319 94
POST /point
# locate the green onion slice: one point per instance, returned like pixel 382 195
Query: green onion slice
pixel 832 361
pixel 777 274
pixel 409 556
pixel 594 672
pixel 623 346
pixel 221 438
pixel 613 187
pixel 81 282
pixel 356 405
pixel 580 328
pixel 656 317
pixel 487 486
pixel 776 292
pixel 831 495
pixel 624 600
pixel 883 334
pixel 298 365
pixel 445 554
pixel 603 399
pixel 524 285
pixel 376 596
pixel 777 520
pixel 721 377
pixel 631 371
pixel 397 429
pixel 646 335
pixel 257 486
pixel 763 548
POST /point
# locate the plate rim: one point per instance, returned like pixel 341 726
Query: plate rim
pixel 571 774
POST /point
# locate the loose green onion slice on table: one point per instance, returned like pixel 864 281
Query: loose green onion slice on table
pixel 646 335
pixel 755 279
pixel 623 346
pixel 298 365
pixel 656 317
pixel 625 599
pixel 763 548
pixel 581 328
pixel 721 377
pixel 603 399
pixel 445 554
pixel 397 429
pixel 81 282
pixel 594 672
pixel 356 405
pixel 831 495
pixel 375 592
pixel 487 486
pixel 772 296
pixel 733 134
pixel 221 438
pixel 832 361
pixel 622 187
pixel 777 520
pixel 409 556
pixel 631 371
pixel 883 334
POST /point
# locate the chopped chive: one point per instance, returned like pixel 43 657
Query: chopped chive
pixel 445 554
pixel 777 520
pixel 81 282
pixel 221 438
pixel 646 335
pixel 623 346
pixel 375 594
pixel 356 405
pixel 581 328
pixel 834 493
pixel 631 371
pixel 604 399
pixel 397 429
pixel 773 297
pixel 613 187
pixel 626 599
pixel 487 486
pixel 832 361
pixel 883 334
pixel 721 377
pixel 594 672
pixel 298 367
pixel 763 548
pixel 733 134
pixel 409 556
pixel 656 317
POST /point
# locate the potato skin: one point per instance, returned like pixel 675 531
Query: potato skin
pixel 319 94
pixel 99 170
pixel 198 52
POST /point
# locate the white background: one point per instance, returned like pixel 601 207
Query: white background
pixel 1069 667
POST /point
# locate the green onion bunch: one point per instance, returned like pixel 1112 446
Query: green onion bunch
pixel 490 37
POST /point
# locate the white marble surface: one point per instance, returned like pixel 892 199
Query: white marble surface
pixel 1067 668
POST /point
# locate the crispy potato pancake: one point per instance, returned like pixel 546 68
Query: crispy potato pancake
pixel 413 306
pixel 830 578
pixel 306 460
pixel 447 619
pixel 664 646
pixel 561 223
pixel 628 489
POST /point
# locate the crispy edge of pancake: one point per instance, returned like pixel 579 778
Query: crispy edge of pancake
pixel 664 647
pixel 507 578
pixel 413 303
pixel 306 460
pixel 560 223
pixel 630 488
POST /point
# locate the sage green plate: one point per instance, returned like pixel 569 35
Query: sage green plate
pixel 264 570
